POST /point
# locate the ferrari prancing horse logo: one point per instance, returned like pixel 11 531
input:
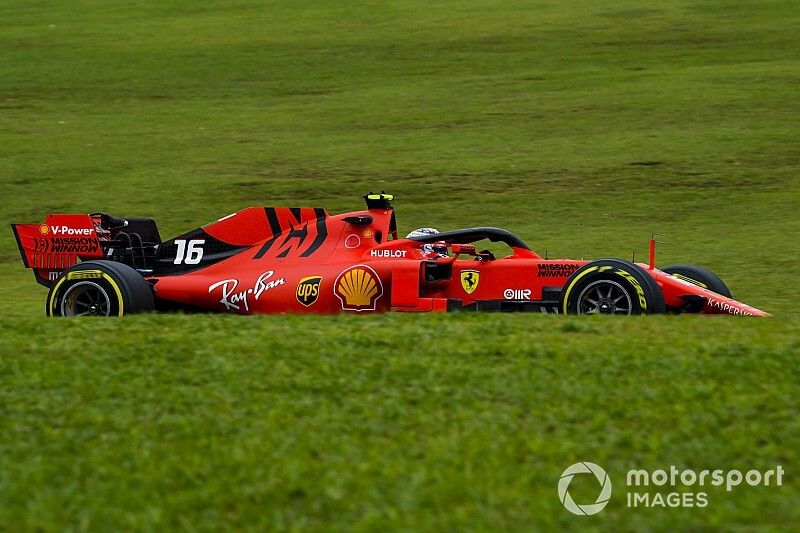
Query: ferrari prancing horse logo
pixel 469 280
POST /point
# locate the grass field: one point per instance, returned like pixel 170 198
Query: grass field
pixel 583 127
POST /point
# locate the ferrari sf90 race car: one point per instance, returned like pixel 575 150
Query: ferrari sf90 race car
pixel 303 260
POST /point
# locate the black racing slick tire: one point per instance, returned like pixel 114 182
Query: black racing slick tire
pixel 699 276
pixel 100 288
pixel 611 287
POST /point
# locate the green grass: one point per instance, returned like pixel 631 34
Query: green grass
pixel 387 422
pixel 582 127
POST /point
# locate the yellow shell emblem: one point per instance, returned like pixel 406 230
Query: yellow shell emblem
pixel 358 288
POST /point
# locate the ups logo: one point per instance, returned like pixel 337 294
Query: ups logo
pixel 308 290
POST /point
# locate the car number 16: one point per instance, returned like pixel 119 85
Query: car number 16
pixel 191 254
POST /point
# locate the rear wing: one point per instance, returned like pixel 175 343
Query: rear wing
pixel 59 243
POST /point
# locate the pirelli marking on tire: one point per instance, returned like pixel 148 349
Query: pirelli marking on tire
pixel 84 274
pixel 636 286
pixel 689 280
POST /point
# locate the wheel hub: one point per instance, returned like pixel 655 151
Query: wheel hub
pixel 85 298
pixel 604 297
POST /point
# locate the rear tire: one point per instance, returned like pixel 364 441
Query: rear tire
pixel 699 276
pixel 99 288
pixel 611 287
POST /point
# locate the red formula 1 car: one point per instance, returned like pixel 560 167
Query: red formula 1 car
pixel 303 260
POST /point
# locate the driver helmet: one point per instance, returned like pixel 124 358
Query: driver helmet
pixel 437 249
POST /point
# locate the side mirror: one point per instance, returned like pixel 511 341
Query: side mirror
pixel 466 249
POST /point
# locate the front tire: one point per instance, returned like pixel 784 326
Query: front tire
pixel 99 288
pixel 699 276
pixel 611 287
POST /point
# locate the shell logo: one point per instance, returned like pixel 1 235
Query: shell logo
pixel 358 288
pixel 44 229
